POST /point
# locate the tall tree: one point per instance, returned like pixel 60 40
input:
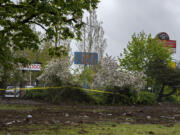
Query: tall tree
pixel 57 18
pixel 164 75
pixel 142 50
pixel 93 39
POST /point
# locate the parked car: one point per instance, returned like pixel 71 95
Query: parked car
pixel 12 91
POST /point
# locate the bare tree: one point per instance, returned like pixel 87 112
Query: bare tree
pixel 93 36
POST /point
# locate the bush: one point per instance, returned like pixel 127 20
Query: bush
pixel 61 95
pixel 146 98
pixel 35 94
pixel 172 98
pixel 99 98
pixel 121 95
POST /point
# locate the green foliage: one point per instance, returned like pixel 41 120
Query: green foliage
pixel 88 75
pixel 148 55
pixel 98 98
pixel 99 128
pixel 43 54
pixel 121 95
pixel 59 19
pixel 163 75
pixel 61 95
pixel 35 94
pixel 58 51
pixel 142 50
pixel 146 98
pixel 172 99
pixel 10 76
pixel 118 99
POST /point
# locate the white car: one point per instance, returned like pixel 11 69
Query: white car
pixel 12 91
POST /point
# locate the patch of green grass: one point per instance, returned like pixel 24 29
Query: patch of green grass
pixel 17 107
pixel 97 129
pixel 49 108
pixel 122 129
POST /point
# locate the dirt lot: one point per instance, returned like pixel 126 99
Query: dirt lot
pixel 45 114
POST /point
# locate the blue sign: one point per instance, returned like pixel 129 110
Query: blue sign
pixel 86 58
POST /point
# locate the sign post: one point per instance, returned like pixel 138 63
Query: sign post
pixel 85 80
pixel 30 68
pixel 86 59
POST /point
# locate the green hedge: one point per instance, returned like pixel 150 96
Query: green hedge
pixel 75 95
pixel 61 95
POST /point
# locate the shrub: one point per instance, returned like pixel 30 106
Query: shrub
pixel 172 98
pixel 35 94
pixel 98 98
pixel 121 95
pixel 61 95
pixel 146 98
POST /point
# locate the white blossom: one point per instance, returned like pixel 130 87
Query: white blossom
pixel 110 75
pixel 57 70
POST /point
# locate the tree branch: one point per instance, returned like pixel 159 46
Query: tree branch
pixel 29 18
pixel 38 24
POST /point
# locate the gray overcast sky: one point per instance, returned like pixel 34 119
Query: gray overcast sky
pixel 122 18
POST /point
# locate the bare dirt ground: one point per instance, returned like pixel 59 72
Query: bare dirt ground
pixel 46 114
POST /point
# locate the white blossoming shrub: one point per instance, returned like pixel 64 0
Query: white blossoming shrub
pixel 57 71
pixel 110 75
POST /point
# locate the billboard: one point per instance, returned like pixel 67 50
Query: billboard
pixel 85 58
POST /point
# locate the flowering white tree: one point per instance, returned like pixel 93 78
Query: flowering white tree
pixel 57 71
pixel 110 75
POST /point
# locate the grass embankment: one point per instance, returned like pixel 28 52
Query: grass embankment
pixel 17 107
pixel 94 129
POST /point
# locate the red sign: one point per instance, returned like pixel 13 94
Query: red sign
pixel 169 43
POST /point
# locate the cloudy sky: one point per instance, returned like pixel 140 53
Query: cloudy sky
pixel 122 18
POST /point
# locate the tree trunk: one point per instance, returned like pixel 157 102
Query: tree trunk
pixel 161 95
pixel 3 84
pixel 159 99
